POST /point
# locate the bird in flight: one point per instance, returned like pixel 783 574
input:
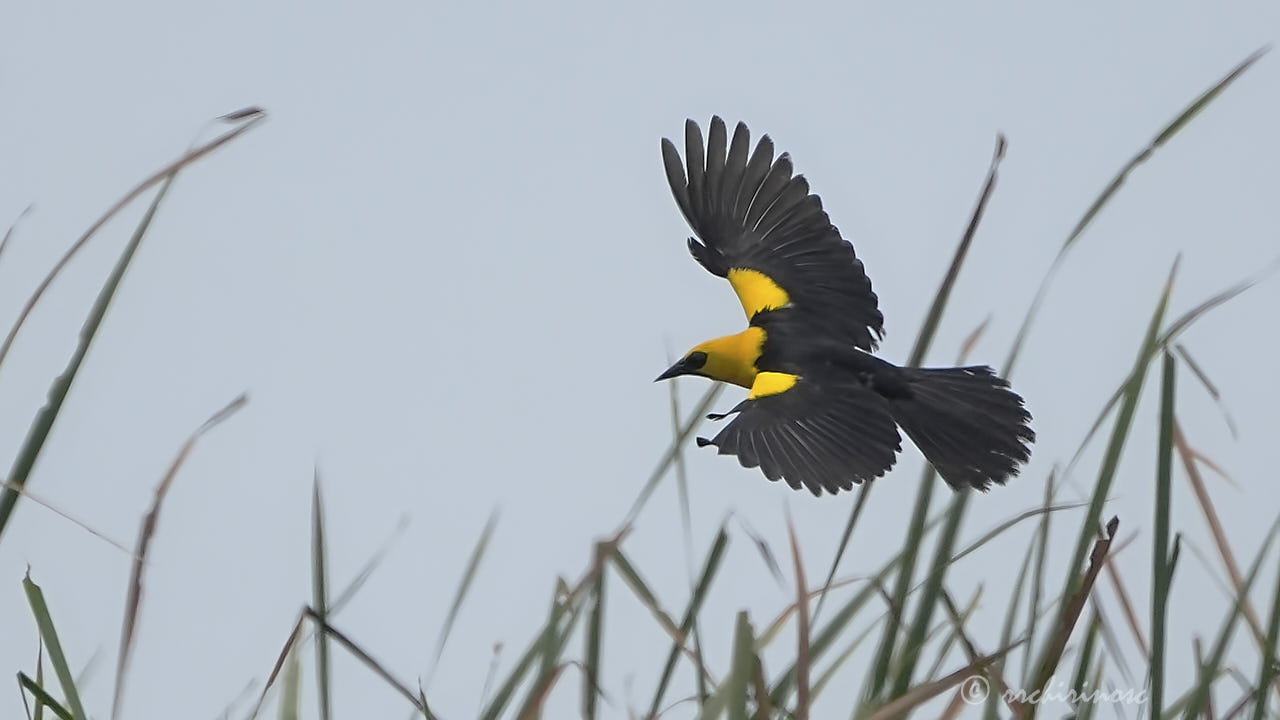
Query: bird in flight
pixel 823 413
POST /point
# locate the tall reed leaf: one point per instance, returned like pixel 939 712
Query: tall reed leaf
pixel 1209 671
pixel 29 451
pixel 57 658
pixel 1161 563
pixel 924 491
pixel 320 598
pixel 1165 135
pixel 1124 420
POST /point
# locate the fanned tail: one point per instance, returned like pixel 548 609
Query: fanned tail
pixel 967 422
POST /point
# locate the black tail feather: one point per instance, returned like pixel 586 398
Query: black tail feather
pixel 970 426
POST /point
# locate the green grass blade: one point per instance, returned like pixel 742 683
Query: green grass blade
pixel 1009 524
pixel 924 339
pixel 551 650
pixel 1199 700
pixel 1089 709
pixel 460 596
pixel 918 353
pixel 773 630
pixel 29 451
pixel 43 698
pixel 49 636
pixel 830 672
pixel 1165 135
pixel 1186 319
pixel 956 634
pixel 1086 658
pixel 44 420
pixel 323 628
pixel 320 598
pixel 1162 342
pixel 689 621
pixel 566 607
pixel 1180 704
pixel 507 689
pixel 1269 664
pixel 1161 567
pixel 934 317
pixel 992 671
pixel 699 665
pixel 902 586
pixel 247 118
pixel 901 706
pixel 767 555
pixel 40 678
pixel 682 482
pixel 915 640
pixel 732 695
pixel 1207 97
pixel 953 515
pixel 827 636
pixel 686 524
pixel 631 576
pixel 1037 584
pixel 366 571
pixel 1209 387
pixel 744 665
pixel 674 451
pixel 1006 631
pixel 1102 488
pixel 595 633
pixel 1188 456
pixel 1111 647
pixel 291 689
pixel 863 493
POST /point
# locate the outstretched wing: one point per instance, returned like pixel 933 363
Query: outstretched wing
pixel 765 232
pixel 818 436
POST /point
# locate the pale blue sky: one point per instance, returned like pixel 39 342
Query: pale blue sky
pixel 448 268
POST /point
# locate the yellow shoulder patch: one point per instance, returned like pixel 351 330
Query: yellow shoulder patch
pixel 771 383
pixel 757 291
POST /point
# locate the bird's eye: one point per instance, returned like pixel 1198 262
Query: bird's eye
pixel 696 359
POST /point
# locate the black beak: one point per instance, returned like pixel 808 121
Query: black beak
pixel 680 368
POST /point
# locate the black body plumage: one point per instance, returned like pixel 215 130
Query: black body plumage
pixel 837 425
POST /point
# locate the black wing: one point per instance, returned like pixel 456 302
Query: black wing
pixel 753 215
pixel 820 436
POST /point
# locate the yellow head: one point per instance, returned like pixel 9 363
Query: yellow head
pixel 730 359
